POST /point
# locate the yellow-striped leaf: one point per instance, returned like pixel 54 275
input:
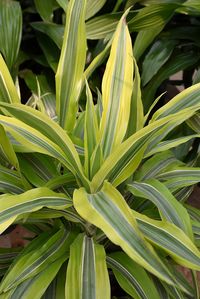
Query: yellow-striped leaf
pixel 36 130
pixel 116 90
pixel 171 239
pixel 108 210
pixel 167 204
pixel 12 206
pixel 71 64
pixel 132 277
pixel 8 92
pixel 87 274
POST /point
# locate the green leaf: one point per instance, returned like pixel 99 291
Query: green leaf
pixel 167 204
pixel 175 64
pixel 72 61
pixel 54 31
pixel 159 53
pixel 143 40
pixel 93 6
pixel 136 119
pixel 87 275
pixel 8 92
pixel 132 277
pixel 171 239
pixel 102 26
pixel 152 16
pixel 108 210
pixel 116 90
pixel 12 206
pixel 45 9
pixel 11 30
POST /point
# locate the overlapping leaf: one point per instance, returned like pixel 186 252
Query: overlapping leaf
pixel 12 206
pixel 108 210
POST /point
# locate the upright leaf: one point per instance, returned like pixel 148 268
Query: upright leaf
pixel 11 30
pixel 90 130
pixel 87 275
pixel 8 92
pixel 71 65
pixel 116 90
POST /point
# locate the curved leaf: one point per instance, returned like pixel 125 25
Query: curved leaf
pixel 108 210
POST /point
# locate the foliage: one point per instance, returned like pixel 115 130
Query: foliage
pixel 97 175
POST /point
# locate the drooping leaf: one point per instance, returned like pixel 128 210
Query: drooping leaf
pixel 132 277
pixel 45 9
pixel 108 210
pixel 171 239
pixel 167 204
pixel 126 158
pixel 38 131
pixel 87 275
pixel 13 206
pixel 72 61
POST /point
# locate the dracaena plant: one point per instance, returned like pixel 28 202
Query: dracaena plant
pixel 100 186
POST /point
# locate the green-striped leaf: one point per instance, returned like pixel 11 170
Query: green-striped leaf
pixel 167 204
pixel 12 206
pixel 180 177
pixel 90 130
pixel 71 65
pixel 168 144
pixel 125 159
pixel 171 239
pixel 185 99
pixel 87 275
pixel 131 277
pixel 33 261
pixel 10 181
pixel 36 285
pixel 11 30
pixel 156 165
pixel 37 131
pixel 8 92
pixel 108 210
pixel 116 90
